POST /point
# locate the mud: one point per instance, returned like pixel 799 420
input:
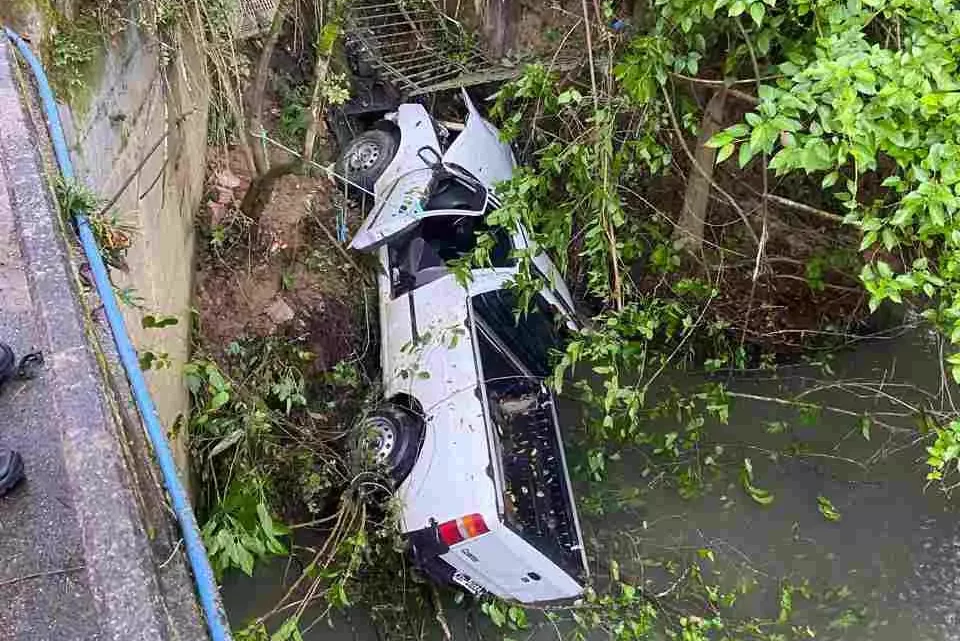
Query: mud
pixel 281 274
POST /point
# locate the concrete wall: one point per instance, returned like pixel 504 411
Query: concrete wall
pixel 135 101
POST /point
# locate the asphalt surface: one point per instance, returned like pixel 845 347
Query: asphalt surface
pixel 87 548
pixel 43 587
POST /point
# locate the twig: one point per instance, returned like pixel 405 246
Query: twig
pixel 736 93
pixel 259 84
pixel 315 522
pixel 763 202
pixel 593 74
pixel 333 241
pixel 724 83
pixel 766 186
pixel 786 202
pixel 143 161
pixel 440 616
pixel 839 288
pixel 173 553
pixel 331 174
pixel 40 575
pixel 829 408
pixel 320 68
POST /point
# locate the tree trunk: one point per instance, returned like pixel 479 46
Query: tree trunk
pixel 316 105
pixel 689 231
pixel 261 188
pixel 258 86
pixel 499 19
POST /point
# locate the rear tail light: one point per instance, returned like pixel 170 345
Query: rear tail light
pixel 461 529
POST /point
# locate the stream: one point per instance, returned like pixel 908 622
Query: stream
pixel 887 570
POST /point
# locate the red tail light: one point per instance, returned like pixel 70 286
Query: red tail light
pixel 461 529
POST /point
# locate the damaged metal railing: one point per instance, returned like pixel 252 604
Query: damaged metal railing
pixel 416 47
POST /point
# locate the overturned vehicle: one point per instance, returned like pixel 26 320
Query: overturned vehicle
pixel 469 430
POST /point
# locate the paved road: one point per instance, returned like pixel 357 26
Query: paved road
pixel 43 586
pixel 76 561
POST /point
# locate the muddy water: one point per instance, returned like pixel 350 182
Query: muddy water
pixel 888 570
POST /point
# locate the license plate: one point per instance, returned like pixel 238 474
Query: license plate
pixel 468 584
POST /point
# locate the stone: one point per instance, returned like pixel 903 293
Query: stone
pixel 227 179
pixel 279 311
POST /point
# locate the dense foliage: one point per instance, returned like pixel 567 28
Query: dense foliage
pixel 859 96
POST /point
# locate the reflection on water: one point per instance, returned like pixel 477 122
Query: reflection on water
pixel 888 570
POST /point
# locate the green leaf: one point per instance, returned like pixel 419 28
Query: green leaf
pixel 496 615
pixel 738 7
pixel 570 96
pixel 746 154
pixel 215 378
pixel 719 139
pixel 827 509
pixel 889 239
pixel 760 496
pixel 226 443
pixel 757 11
pixel 245 560
pixel 289 631
pixel 725 152
pixel 865 424
pixel 219 400
pixel 266 521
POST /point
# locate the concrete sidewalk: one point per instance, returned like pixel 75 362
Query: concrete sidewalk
pixel 76 561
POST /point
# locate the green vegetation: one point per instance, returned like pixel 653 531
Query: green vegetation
pixel 852 102
pixel 845 108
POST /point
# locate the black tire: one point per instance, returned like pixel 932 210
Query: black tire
pixel 11 470
pixel 8 363
pixel 389 438
pixel 366 157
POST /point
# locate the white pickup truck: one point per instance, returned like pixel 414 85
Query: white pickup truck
pixel 469 429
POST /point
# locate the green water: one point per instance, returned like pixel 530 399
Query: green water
pixel 888 570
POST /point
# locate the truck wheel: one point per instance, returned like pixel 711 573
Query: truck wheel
pixel 390 437
pixel 366 157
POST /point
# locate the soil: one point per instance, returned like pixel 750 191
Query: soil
pixel 281 274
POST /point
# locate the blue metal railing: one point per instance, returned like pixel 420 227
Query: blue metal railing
pixel 196 554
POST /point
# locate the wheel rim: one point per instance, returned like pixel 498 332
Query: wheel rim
pixel 381 440
pixel 364 156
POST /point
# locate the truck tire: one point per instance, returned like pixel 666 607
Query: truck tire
pixel 390 438
pixel 366 157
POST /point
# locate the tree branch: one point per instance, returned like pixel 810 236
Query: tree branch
pixel 792 204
